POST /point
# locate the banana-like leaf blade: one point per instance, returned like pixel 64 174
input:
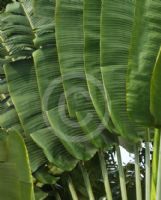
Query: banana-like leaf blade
pixel 146 39
pixel 116 27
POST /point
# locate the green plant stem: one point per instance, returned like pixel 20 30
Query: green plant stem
pixel 147 168
pixel 105 176
pixel 72 189
pixel 137 174
pixel 155 163
pixel 58 196
pixel 158 187
pixel 121 174
pixel 87 182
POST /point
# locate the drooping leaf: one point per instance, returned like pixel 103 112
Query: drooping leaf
pixel 17 154
pixel 116 27
pixel 47 71
pixel 146 39
pixel 36 155
pixel 51 88
pixel 91 28
pixel 54 149
pixel 155 91
pixel 74 140
pixel 96 132
pixel 9 119
pixel 16 184
pixel 26 98
pixel 69 40
pixel 70 45
pixel 9 187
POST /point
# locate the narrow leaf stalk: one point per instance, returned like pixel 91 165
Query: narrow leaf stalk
pixel 155 163
pixel 72 189
pixel 58 196
pixel 87 182
pixel 158 187
pixel 137 174
pixel 121 174
pixel 105 176
pixel 147 168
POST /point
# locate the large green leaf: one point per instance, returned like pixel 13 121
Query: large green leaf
pixel 7 110
pixel 54 149
pixel 116 27
pixel 14 170
pixel 51 87
pixel 47 71
pixel 155 91
pixel 22 80
pixel 9 187
pixel 9 119
pixel 36 155
pixel 23 90
pixel 74 140
pixel 18 155
pixel 69 39
pixel 146 40
pixel 94 129
pixel 70 45
pixel 91 28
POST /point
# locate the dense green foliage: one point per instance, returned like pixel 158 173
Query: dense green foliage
pixel 78 77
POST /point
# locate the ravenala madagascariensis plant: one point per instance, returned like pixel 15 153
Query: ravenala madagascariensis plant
pixel 78 77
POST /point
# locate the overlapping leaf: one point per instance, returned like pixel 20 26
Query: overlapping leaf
pixel 48 73
pixel 146 40
pixel 22 81
pixel 16 184
pixel 116 28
